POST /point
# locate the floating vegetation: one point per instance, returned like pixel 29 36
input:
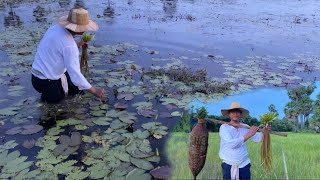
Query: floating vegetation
pixel 86 139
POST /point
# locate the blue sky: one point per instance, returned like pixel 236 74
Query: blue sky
pixel 256 101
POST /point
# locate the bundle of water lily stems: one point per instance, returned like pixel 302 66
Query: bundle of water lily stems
pixel 84 57
pixel 265 154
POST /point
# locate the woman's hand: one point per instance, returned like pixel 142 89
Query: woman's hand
pixel 100 93
pixel 252 131
pixel 267 126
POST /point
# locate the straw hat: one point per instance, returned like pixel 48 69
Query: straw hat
pixel 78 20
pixel 235 105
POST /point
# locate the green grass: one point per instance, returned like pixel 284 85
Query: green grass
pixel 302 152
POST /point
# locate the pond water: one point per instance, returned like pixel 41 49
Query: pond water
pixel 256 45
pixel 256 101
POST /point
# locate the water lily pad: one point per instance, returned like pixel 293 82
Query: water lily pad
pixel 126 95
pixel 63 139
pixel 64 150
pixel 147 112
pixel 116 124
pixel 102 121
pixel 75 139
pixel 141 163
pixel 75 175
pixel 31 129
pixel 8 145
pixel 98 113
pixel 138 174
pixel 54 131
pixel 176 113
pixel 29 143
pixel 9 111
pixel 64 167
pixel 15 130
pixel 163 172
pixel 142 105
pixel 120 106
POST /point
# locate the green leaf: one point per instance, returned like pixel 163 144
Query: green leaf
pixel 65 167
pixel 102 121
pixel 8 145
pixel 15 130
pixel 138 174
pixel 9 111
pixel 87 139
pixel 81 127
pixel 77 175
pixel 176 113
pixel 31 129
pixel 54 131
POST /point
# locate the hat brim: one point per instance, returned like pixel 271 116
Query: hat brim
pixel 244 112
pixel 91 26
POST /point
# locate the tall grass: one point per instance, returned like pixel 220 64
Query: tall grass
pixel 302 152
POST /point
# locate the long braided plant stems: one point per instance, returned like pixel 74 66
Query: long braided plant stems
pixel 84 56
pixel 266 157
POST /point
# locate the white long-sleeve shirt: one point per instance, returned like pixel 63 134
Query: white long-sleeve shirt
pixel 233 148
pixel 56 54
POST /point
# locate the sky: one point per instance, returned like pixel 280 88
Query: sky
pixel 256 101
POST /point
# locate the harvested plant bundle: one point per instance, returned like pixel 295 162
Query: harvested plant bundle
pixel 198 144
pixel 266 146
pixel 84 57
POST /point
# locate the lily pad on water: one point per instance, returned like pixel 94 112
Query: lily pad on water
pixel 148 113
pixel 64 150
pixel 102 121
pixel 120 106
pixel 77 174
pixel 8 145
pixel 54 131
pixel 29 143
pixel 142 105
pixel 64 167
pixel 138 174
pixel 141 163
pixel 116 124
pixel 15 130
pixel 31 129
pixel 176 113
pixel 126 95
pixel 163 172
pixel 9 111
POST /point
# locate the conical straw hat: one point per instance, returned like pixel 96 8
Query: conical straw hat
pixel 235 105
pixel 78 20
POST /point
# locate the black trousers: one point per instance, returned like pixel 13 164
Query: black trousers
pixel 51 90
pixel 244 173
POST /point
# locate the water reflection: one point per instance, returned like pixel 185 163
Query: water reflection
pixel 256 101
pixel 64 3
pixel 130 2
pixel 39 14
pixel 109 11
pixel 79 4
pixel 169 7
pixel 12 19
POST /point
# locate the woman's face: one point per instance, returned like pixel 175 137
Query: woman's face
pixel 235 114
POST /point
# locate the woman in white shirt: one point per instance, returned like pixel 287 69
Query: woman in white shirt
pixel 233 151
pixel 56 67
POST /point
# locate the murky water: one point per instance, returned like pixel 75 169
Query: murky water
pixel 231 32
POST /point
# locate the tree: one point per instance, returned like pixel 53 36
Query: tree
pixel 301 106
pixel 272 108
